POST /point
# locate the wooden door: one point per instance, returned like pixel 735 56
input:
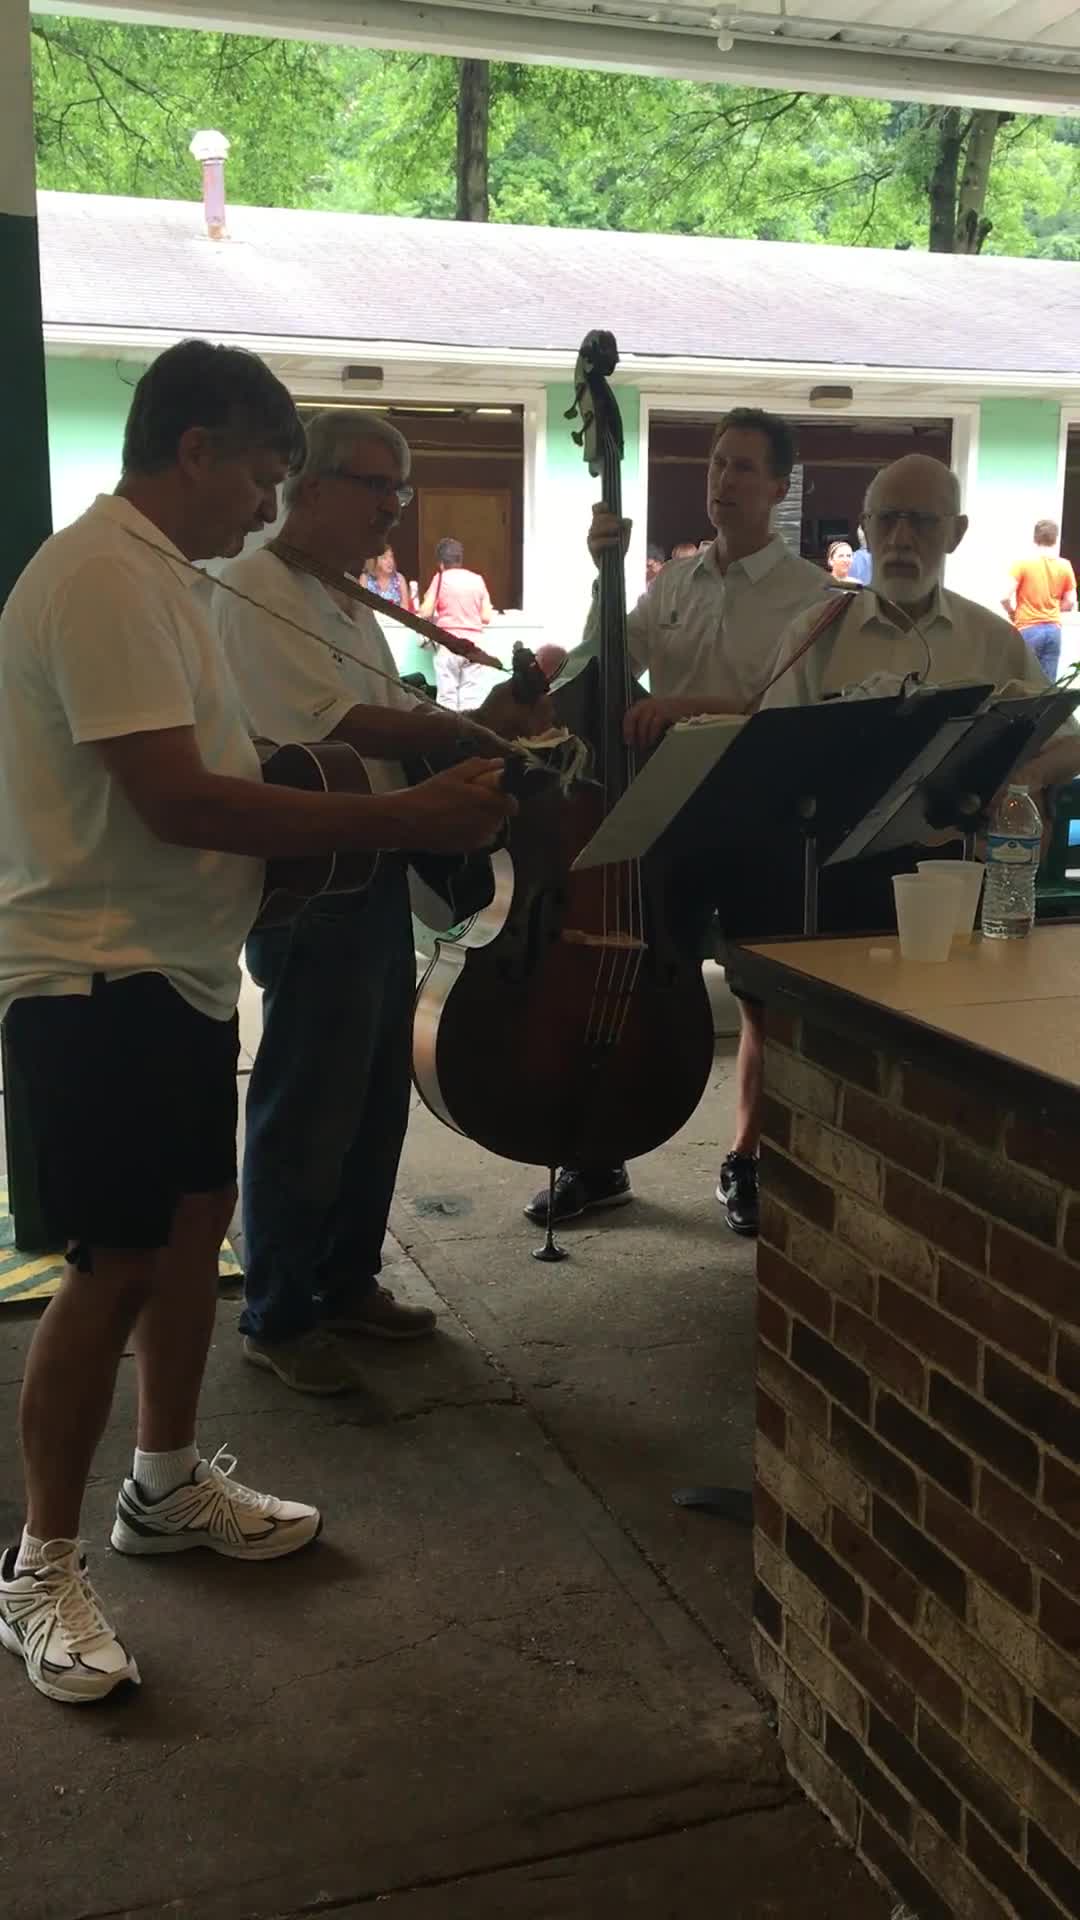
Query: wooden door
pixel 481 521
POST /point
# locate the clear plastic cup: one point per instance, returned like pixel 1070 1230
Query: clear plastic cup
pixel 965 878
pixel 925 917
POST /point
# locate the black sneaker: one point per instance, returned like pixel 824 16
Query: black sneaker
pixel 579 1190
pixel 737 1192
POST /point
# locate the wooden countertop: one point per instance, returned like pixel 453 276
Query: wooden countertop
pixel 1016 1002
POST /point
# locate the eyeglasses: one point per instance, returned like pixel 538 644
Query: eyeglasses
pixel 889 518
pixel 376 483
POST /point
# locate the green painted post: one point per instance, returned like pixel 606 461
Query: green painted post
pixel 27 517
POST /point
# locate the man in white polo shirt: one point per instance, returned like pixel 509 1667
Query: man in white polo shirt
pixel 135 825
pixel 707 631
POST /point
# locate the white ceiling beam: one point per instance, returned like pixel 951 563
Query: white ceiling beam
pixel 536 366
pixel 559 39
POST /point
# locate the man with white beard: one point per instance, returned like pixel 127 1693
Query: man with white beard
pixel 907 622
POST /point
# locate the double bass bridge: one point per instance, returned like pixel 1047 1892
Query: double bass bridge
pixel 615 942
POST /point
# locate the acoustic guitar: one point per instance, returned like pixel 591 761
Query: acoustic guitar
pixel 328 766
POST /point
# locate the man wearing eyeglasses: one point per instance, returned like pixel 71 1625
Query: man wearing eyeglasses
pixel 328 1097
pixel 908 622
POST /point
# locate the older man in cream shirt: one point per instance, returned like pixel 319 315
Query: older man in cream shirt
pixel 909 625
pixel 908 622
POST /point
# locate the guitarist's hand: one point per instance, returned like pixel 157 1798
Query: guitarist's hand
pixel 456 811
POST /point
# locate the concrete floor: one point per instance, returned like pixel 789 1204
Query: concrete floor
pixel 512 1679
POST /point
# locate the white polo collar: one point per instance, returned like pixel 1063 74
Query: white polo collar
pixel 755 565
pixel 147 536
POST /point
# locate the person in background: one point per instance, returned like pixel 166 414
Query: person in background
pixel 1043 588
pixel 381 576
pixel 839 559
pixel 655 562
pixel 861 570
pixel 458 600
pixel 686 549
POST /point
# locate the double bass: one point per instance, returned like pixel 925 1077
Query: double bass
pixel 571 1025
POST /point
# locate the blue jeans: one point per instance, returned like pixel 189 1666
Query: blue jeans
pixel 328 1104
pixel 1045 644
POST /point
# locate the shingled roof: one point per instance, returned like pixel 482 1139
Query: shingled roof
pixel 109 263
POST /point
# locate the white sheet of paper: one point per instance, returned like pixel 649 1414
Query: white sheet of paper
pixel 688 752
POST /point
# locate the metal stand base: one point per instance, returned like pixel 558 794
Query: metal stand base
pixel 550 1251
pixel 810 874
pixel 730 1503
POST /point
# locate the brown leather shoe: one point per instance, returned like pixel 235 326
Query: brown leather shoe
pixel 379 1316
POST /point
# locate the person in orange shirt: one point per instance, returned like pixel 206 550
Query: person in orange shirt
pixel 1043 588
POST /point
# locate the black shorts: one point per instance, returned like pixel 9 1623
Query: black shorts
pixel 130 1098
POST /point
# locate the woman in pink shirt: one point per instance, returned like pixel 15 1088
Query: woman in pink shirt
pixel 460 602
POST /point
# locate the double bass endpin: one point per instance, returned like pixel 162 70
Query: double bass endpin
pixel 551 1249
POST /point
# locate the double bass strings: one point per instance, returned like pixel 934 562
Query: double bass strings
pixel 623 945
pixel 635 954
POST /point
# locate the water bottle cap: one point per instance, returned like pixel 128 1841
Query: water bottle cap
pixel 1017 789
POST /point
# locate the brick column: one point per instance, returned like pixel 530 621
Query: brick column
pixel 917 1540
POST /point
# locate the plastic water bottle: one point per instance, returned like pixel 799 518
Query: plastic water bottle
pixel 1012 861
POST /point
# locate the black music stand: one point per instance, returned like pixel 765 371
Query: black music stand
pixel 979 755
pixel 814 772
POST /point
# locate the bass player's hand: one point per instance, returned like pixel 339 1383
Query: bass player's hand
pixel 605 531
pixel 455 811
pixel 646 722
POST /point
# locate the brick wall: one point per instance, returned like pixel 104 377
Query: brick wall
pixel 917 1543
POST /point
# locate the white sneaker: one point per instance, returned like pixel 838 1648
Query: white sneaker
pixel 212 1510
pixel 51 1617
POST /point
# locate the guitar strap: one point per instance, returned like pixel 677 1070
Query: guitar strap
pixel 345 584
pixel 831 614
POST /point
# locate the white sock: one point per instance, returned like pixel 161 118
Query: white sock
pixel 162 1473
pixel 31 1552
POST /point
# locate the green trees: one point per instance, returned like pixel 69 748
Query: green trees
pixel 404 134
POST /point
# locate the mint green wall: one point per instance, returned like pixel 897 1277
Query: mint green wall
pixel 1018 450
pixel 1016 482
pixel 567 461
pixel 88 404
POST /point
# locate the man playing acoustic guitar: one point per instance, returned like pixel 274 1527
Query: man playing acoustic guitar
pixel 328 1099
pixel 131 868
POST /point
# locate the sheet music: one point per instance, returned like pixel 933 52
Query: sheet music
pixel 687 754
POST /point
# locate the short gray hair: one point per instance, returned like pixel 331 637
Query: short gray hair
pixel 332 435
